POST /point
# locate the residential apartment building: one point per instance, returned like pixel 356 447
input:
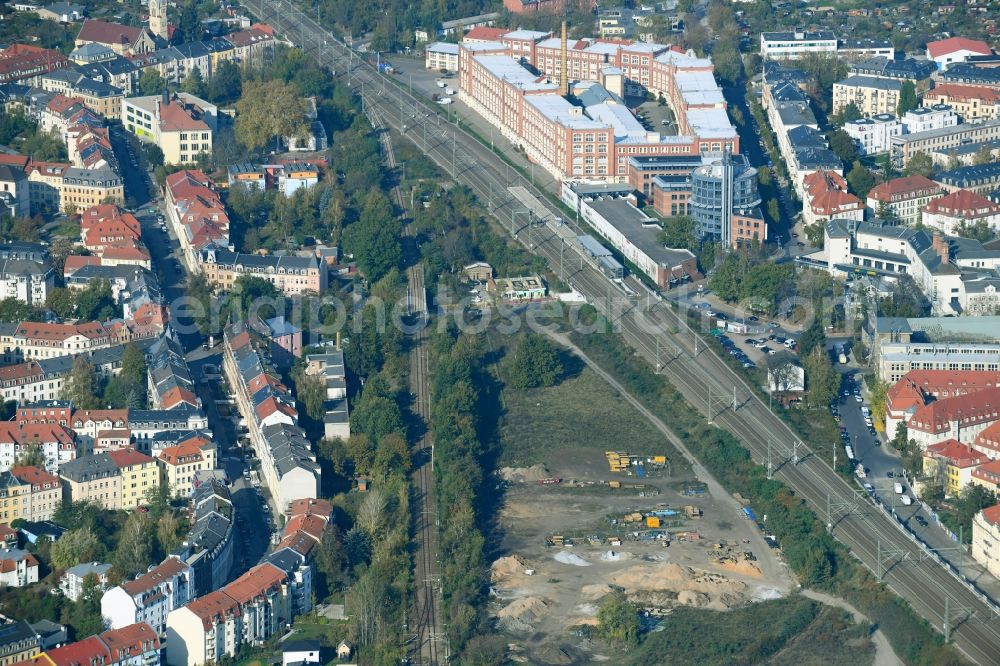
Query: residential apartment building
pixel 972 103
pixel 18 643
pixel 874 135
pixel 45 185
pixel 796 45
pixel 18 568
pixel 139 474
pixel 181 463
pixel 40 492
pixel 329 367
pixel 903 198
pixel 150 597
pixel 957 275
pixel 210 546
pixel 926 118
pixel 961 418
pixel 986 539
pixel 92 478
pixel 26 64
pixel 55 442
pixel 291 275
pixel 83 188
pixel 871 95
pixel 27 281
pixel 197 215
pixel 72 582
pixel 981 178
pixel 288 465
pixel 246 612
pixel 827 198
pixel 182 125
pixel 906 146
pixel 949 213
pixel 14 191
pixel 38 340
pixel 950 464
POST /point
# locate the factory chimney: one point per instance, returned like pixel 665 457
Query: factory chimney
pixel 563 79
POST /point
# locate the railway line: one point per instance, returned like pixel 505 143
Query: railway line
pixel 662 337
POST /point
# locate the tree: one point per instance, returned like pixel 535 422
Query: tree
pixel 919 164
pixel 310 391
pixel 96 302
pixel 151 83
pixel 843 146
pixel 135 549
pixel 154 154
pixel 79 545
pixel 848 114
pixel 678 232
pixel 907 98
pixel 773 211
pixel 372 512
pixel 860 180
pixel 226 84
pixel 169 532
pixel 330 556
pixel 374 238
pixel 618 620
pixel 14 311
pixel 62 301
pixel 973 499
pixel 269 109
pixel 133 364
pixel 189 24
pixel 822 380
pixel 536 363
pixel 31 455
pixel 82 386
pixel 814 336
pixel 726 57
pixel 193 84
pixel 979 230
pixel 983 156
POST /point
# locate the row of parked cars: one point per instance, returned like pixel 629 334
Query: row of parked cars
pixel 736 352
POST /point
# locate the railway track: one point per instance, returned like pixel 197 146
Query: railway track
pixel 931 588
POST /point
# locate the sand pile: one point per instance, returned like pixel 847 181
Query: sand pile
pixel 523 474
pixel 743 567
pixel 518 615
pixel 506 567
pixel 595 591
pixel 567 557
pixel 670 584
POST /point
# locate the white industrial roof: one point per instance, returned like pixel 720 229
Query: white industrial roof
pixel 509 70
pixel 484 46
pixel 711 123
pixel 443 47
pixel 699 88
pixel 645 47
pixel 524 34
pixel 560 110
pixel 620 118
pixel 682 60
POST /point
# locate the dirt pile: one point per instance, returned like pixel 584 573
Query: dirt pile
pixel 524 474
pixel 518 615
pixel 743 567
pixel 595 591
pixel 566 557
pixel 671 584
pixel 506 567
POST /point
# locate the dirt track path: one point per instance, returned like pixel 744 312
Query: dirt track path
pixel 884 654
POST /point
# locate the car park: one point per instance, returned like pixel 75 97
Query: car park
pixel 921 520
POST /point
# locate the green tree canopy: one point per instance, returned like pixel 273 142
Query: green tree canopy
pixel 79 545
pixel 226 84
pixel 151 83
pixel 618 620
pixel 194 84
pixel 82 386
pixel 14 311
pixel 919 164
pixel 535 363
pixel 269 109
pixel 907 98
pixel 860 180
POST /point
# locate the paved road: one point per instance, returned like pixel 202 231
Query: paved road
pixel 876 539
pixel 138 189
pixel 251 520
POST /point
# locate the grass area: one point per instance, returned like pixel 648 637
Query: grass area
pixel 580 411
pixel 794 630
pixel 831 640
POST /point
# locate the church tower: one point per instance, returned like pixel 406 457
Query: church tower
pixel 158 19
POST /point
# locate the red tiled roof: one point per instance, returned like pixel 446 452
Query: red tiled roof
pixel 902 188
pixel 34 476
pixel 254 582
pixel 167 569
pixel 89 651
pixel 835 202
pixel 944 92
pixel 42 432
pixel 104 32
pixel 12 373
pixel 131 641
pixel 918 387
pixel 310 506
pixel 258 33
pixel 963 203
pixel 485 34
pixel 299 541
pixel 956 453
pixel 313 525
pixel 75 262
pixel 988 472
pixel 974 408
pixel 952 44
pixel 177 117
pixel 98 415
pixel 992 514
pixel 34 330
pixel 17 161
pixel 186 452
pixel 128 457
pixel 212 605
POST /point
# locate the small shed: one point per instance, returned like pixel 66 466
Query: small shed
pixel 344 650
pixel 363 485
pixel 479 271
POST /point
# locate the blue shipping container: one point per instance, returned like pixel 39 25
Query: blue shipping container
pixel 749 513
pixel 640 472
